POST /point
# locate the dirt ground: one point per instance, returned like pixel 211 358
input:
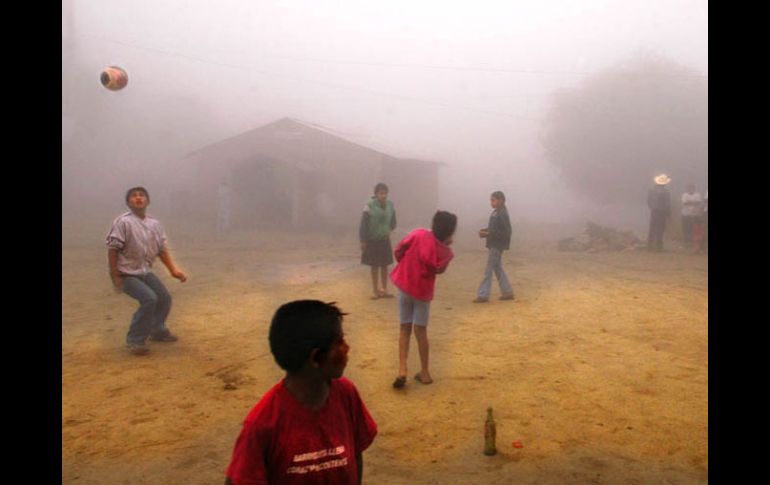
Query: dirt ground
pixel 599 367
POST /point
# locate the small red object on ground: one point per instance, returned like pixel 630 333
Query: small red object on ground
pixel 517 444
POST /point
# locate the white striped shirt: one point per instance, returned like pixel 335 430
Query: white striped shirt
pixel 138 242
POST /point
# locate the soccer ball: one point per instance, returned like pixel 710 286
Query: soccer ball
pixel 114 78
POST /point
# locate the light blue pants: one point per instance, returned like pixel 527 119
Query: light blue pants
pixel 154 306
pixel 411 310
pixel 494 263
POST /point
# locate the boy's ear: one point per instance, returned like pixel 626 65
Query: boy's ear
pixel 315 357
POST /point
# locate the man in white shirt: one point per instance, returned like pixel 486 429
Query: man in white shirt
pixel 133 242
pixel 692 212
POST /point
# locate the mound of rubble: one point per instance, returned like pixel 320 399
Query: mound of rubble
pixel 600 238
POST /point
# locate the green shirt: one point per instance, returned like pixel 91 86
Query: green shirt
pixel 380 220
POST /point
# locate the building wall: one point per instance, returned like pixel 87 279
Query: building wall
pixel 413 190
pixel 287 174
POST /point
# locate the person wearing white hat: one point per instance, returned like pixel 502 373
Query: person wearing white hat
pixel 659 202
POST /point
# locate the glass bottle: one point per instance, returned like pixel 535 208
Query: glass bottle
pixel 490 432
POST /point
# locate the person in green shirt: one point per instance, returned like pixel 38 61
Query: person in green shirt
pixel 377 222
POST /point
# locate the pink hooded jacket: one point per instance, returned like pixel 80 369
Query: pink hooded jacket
pixel 420 258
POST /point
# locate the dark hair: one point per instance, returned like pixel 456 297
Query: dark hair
pixel 444 225
pixel 300 326
pixel 499 195
pixel 137 189
pixel 380 186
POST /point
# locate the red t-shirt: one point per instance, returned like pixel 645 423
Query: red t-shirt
pixel 420 257
pixel 283 441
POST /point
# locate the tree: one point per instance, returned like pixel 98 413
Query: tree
pixel 610 136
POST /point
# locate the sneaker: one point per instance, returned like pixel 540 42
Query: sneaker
pixel 480 300
pixel 166 337
pixel 399 382
pixel 506 297
pixel 138 349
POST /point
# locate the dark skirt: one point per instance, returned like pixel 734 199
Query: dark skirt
pixel 377 253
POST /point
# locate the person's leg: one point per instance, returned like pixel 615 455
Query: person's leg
pixel 651 233
pixel 486 284
pixel 661 230
pixel 687 224
pixel 384 281
pixel 697 236
pixel 423 347
pixel 684 230
pixel 375 288
pixel 142 320
pixel 420 319
pixel 162 307
pixel 405 311
pixel 505 286
pixel 405 335
pixel 658 226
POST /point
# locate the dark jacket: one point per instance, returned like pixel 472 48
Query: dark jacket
pixel 659 199
pixel 499 228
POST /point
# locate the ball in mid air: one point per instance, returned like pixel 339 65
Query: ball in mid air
pixel 114 78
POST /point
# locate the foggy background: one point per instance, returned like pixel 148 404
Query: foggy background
pixel 483 87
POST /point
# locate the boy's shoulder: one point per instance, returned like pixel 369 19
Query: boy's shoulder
pixel 346 392
pixel 344 384
pixel 267 409
pixel 122 217
pixel 420 231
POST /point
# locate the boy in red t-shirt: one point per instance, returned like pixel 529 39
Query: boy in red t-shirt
pixel 311 427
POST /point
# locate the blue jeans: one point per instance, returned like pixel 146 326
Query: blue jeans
pixel 494 263
pixel 154 305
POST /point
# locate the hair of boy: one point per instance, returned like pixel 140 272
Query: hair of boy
pixel 300 326
pixel 380 186
pixel 444 225
pixel 499 195
pixel 137 189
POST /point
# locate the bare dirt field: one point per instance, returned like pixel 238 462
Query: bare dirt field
pixel 599 367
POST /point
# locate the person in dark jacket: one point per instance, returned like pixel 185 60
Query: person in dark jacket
pixel 498 236
pixel 659 202
pixel 377 222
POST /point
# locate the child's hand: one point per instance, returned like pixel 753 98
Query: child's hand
pixel 117 283
pixel 483 232
pixel 179 275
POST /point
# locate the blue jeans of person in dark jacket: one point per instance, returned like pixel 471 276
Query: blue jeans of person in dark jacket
pixel 154 306
pixel 494 264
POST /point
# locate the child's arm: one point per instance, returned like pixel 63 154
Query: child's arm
pixel 443 256
pixel 248 464
pixel 436 257
pixel 117 280
pixel 506 224
pixel 402 247
pixel 169 263
pixel 363 228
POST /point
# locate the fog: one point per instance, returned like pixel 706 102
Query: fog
pixel 467 84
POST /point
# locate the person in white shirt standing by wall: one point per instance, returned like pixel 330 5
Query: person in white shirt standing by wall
pixel 692 213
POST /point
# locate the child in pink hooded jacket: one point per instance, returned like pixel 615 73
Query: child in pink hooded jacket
pixel 421 255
